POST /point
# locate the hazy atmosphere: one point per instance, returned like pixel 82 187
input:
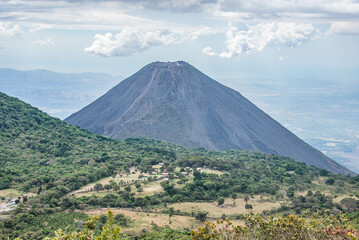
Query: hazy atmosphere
pixel 297 61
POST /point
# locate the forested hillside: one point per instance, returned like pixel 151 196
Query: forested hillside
pixel 48 158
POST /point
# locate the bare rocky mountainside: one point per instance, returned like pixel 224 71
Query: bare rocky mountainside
pixel 175 102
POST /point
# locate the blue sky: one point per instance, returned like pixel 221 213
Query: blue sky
pixel 223 38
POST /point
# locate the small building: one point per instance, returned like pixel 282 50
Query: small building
pixel 154 173
pixel 199 169
pixel 164 174
pixel 184 173
pixel 161 164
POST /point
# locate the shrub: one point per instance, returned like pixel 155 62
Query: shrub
pixel 317 226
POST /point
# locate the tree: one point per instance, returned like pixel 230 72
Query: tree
pixel 234 197
pixel 329 181
pixel 98 187
pixel 220 201
pixel 248 206
pixel 107 187
pixel 201 216
pixel 246 198
pixel 128 188
pixel 290 192
pixel 116 187
pixel 309 193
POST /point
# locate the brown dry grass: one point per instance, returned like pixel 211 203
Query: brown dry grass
pixel 9 193
pixel 228 208
pixel 149 189
pixel 143 220
pixel 341 197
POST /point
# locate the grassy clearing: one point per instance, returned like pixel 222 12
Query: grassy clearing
pixel 10 193
pixel 126 178
pixel 144 220
pixel 149 189
pixel 341 197
pixel 259 205
pixel 207 170
pixel 3 217
pixel 94 193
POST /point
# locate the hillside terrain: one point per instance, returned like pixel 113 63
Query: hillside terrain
pixel 175 102
pixel 56 172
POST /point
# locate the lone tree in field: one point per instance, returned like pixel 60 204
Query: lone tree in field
pixel 234 197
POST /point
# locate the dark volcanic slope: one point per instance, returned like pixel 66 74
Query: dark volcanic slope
pixel 177 103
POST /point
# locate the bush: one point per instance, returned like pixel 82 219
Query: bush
pixel 330 181
pixel 317 226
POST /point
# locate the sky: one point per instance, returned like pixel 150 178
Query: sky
pixel 223 38
pixel 302 43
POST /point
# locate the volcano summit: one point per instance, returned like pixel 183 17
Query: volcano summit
pixel 175 102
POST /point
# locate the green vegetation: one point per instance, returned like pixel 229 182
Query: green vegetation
pixel 317 226
pixel 48 160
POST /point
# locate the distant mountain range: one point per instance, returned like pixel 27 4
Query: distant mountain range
pixel 58 94
pixel 175 102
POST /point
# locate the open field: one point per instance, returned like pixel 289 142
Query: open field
pixel 143 220
pixel 207 170
pixel 3 216
pixel 126 178
pixel 341 197
pixel 228 208
pixel 9 193
pixel 149 189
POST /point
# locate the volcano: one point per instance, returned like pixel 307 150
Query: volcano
pixel 175 102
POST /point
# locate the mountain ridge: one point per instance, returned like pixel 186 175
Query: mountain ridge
pixel 175 102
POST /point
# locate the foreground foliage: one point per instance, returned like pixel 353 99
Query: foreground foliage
pixel 317 226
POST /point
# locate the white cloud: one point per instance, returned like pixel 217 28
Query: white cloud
pixel 208 51
pixel 45 42
pixel 280 58
pixel 262 35
pixel 284 9
pixel 344 28
pixel 331 144
pixel 7 30
pixel 88 15
pixel 130 41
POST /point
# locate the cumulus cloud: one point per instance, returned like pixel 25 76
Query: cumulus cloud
pixel 6 30
pixel 130 41
pixel 344 28
pixel 263 35
pixel 47 41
